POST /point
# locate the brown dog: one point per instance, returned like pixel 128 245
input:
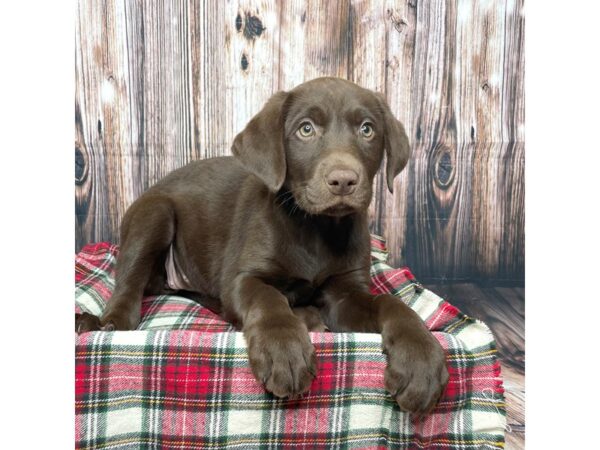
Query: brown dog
pixel 277 238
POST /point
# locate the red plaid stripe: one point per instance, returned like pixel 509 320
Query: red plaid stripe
pixel 183 380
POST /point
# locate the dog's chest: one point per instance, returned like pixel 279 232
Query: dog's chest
pixel 310 259
pixel 305 269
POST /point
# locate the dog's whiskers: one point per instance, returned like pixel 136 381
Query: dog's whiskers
pixel 285 197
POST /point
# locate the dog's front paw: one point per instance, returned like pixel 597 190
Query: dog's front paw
pixel 281 356
pixel 85 322
pixel 416 373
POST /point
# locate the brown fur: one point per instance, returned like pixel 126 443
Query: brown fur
pixel 282 226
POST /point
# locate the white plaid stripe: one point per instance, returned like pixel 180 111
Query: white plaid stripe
pixel 122 419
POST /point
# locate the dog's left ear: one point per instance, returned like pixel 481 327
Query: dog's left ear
pixel 397 147
pixel 260 147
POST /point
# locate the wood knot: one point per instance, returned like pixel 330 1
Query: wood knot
pixel 443 168
pixel 253 27
pixel 485 87
pixel 398 22
pixel 81 168
pixel 392 63
pixel 244 62
pixel 238 22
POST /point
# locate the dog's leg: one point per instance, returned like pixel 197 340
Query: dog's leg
pixel 147 231
pixel 311 317
pixel 416 373
pixel 279 348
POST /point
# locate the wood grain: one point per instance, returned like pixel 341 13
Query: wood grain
pixel 159 84
pixel 315 39
pixel 390 211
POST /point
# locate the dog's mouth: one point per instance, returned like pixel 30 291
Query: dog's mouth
pixel 339 210
pixel 304 201
pixel 334 206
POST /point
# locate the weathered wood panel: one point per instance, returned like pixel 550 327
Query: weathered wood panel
pixel 159 84
pixel 133 106
pixel 315 40
pixel 392 210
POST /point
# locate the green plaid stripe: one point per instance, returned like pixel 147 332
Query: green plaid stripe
pixel 183 380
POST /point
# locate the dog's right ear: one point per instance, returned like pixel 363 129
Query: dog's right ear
pixel 397 147
pixel 259 146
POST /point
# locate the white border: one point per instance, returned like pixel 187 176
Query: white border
pixel 562 251
pixel 37 210
pixel 562 226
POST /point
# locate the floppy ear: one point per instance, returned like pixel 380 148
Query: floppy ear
pixel 259 146
pixel 397 147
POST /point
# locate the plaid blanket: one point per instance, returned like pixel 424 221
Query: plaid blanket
pixel 182 379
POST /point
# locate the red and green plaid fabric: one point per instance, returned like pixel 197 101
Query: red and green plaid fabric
pixel 182 379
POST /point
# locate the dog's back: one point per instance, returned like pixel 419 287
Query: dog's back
pixel 203 195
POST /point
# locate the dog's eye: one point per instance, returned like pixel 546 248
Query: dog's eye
pixel 366 129
pixel 306 129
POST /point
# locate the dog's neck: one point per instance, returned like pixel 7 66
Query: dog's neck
pixel 336 232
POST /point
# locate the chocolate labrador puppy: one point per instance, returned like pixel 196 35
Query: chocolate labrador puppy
pixel 276 238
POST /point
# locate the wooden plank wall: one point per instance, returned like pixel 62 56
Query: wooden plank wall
pixel 161 83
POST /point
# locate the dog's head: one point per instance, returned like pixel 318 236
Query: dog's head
pixel 324 141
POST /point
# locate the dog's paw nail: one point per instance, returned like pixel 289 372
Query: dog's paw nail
pixel 109 327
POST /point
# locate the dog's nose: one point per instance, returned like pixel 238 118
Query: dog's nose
pixel 342 181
